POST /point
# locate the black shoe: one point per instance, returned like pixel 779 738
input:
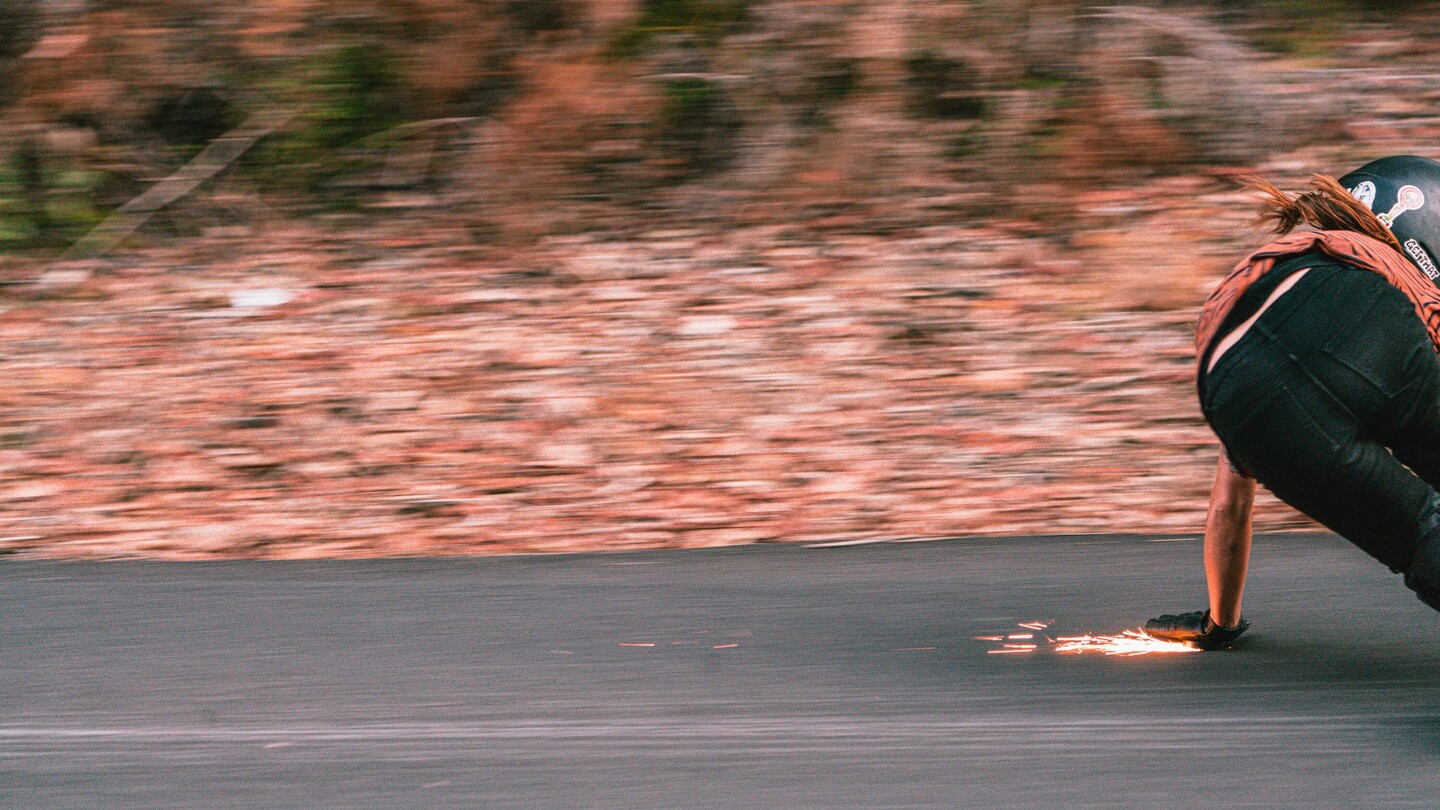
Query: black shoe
pixel 1196 629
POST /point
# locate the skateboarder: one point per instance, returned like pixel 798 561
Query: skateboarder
pixel 1318 371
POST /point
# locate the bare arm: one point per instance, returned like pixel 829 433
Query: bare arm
pixel 1227 541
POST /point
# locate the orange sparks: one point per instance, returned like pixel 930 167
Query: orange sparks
pixel 1128 643
pixel 724 646
pixel 650 644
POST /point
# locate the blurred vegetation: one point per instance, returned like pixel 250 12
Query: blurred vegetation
pixel 943 88
pixel 698 122
pixel 46 206
pixel 534 111
pixel 18 33
pixel 353 91
pixel 705 20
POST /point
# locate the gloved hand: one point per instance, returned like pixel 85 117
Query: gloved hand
pixel 1195 629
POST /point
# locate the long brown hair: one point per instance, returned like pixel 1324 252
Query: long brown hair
pixel 1327 206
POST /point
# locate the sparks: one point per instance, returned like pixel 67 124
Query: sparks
pixel 1128 643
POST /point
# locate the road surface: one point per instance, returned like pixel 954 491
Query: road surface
pixel 754 677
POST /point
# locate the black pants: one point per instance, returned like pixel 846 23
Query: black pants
pixel 1332 401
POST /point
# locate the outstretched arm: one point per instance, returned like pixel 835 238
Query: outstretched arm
pixel 1227 541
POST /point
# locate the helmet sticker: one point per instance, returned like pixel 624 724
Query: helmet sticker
pixel 1422 259
pixel 1409 198
pixel 1365 193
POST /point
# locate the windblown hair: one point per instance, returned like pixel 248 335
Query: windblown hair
pixel 1327 206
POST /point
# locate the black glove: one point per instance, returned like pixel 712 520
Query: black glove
pixel 1195 629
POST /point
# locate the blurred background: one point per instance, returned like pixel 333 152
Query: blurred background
pixel 296 278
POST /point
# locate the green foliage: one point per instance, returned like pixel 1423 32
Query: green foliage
pixel 535 16
pixel 360 94
pixel 1336 10
pixel 355 92
pixel 1043 83
pixel 20 26
pixel 1317 38
pixel 942 88
pixel 697 123
pixel 830 81
pixel 43 203
pixel 1313 29
pixel 838 79
pixel 1044 142
pixel 188 118
pixel 707 20
pixel 967 144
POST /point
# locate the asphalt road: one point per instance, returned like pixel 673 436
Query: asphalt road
pixel 779 677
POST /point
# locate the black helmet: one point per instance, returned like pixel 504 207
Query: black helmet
pixel 1404 192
